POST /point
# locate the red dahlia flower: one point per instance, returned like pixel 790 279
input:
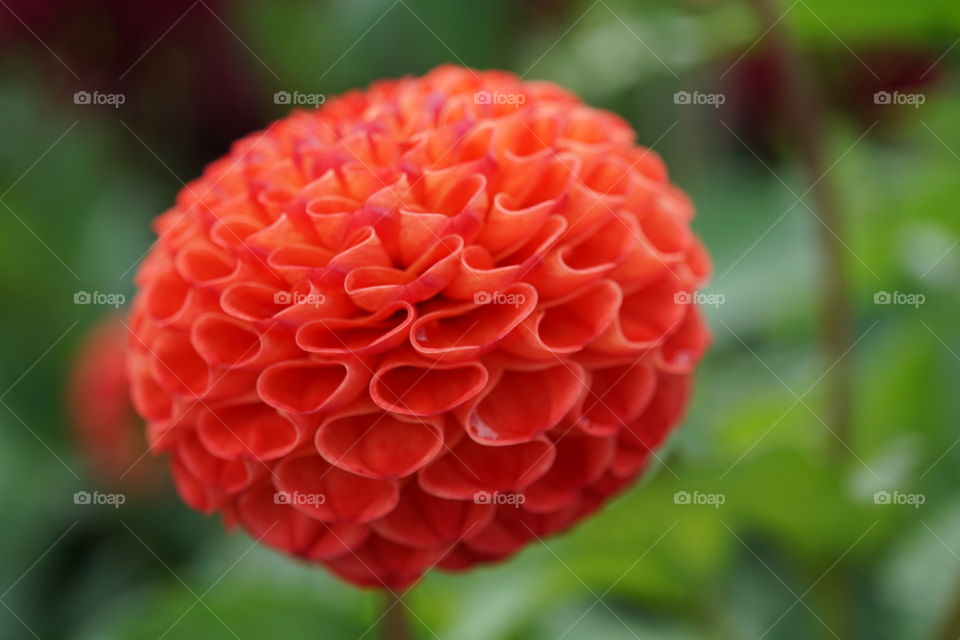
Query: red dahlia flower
pixel 419 326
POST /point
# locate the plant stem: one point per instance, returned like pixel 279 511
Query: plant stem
pixel 804 115
pixel 804 112
pixel 394 624
pixel 951 627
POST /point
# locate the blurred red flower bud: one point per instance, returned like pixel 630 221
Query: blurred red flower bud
pixel 108 432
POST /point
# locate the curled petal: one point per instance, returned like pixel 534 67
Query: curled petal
pixel 509 227
pixel 686 345
pixel 397 566
pixel 513 527
pixel 648 164
pixel 566 325
pixel 630 458
pixel 460 557
pixel 465 331
pixel 320 490
pixel 525 137
pixel 333 217
pixel 230 343
pixel 664 410
pixel 378 444
pixel 247 432
pixel 283 527
pixel 459 210
pixel 412 385
pixel 667 232
pixel 698 261
pixel 477 272
pixel 646 317
pixel 570 267
pixel 171 302
pixel 588 129
pixel 537 177
pixel 471 468
pixel 227 385
pixel 530 255
pixel 594 496
pixel 229 475
pixel 361 183
pixel 204 266
pixel 307 301
pixel 252 301
pixel 520 405
pixel 161 438
pixel 616 396
pixel 364 249
pixel 641 266
pixel 424 521
pixel 300 262
pixel 453 191
pixel 197 494
pixel 178 368
pixel 586 210
pixel 580 461
pixel 606 175
pixel 365 335
pixel 372 288
pixel 309 386
pixel 148 397
pixel 231 231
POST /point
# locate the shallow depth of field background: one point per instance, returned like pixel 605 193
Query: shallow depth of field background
pixel 799 547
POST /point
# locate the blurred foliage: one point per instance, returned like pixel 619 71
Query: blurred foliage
pixel 799 549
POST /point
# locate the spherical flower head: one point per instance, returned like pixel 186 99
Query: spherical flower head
pixel 422 325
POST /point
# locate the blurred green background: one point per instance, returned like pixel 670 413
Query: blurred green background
pixel 800 546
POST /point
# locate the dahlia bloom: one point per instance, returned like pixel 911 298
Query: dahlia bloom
pixel 420 326
pixel 108 432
